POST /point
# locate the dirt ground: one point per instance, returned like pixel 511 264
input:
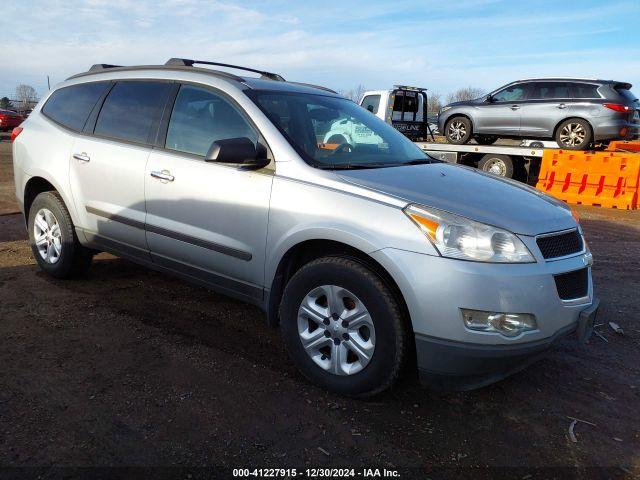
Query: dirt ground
pixel 133 368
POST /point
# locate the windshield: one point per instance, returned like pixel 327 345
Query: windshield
pixel 332 132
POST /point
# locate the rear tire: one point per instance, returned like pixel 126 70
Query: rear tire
pixel 53 238
pixel 574 134
pixel 353 330
pixel 458 130
pixel 486 139
pixel 500 165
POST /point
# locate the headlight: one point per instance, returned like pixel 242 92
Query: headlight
pixel 458 237
pixel 445 108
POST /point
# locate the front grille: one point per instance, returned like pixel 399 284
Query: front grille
pixel 560 245
pixel 573 285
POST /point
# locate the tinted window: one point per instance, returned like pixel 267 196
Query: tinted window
pixel 583 90
pixel 371 103
pixel 131 109
pixel 549 90
pixel 71 106
pixel 200 117
pixel 407 99
pixel 627 94
pixel 510 94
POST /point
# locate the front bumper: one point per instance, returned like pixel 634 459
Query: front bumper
pixel 436 288
pixel 461 366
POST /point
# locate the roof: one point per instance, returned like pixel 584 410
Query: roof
pixel 266 81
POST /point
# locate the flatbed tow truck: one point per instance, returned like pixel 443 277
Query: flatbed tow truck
pixel 404 108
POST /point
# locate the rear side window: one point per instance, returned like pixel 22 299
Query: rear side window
pixel 371 103
pixel 71 106
pixel 584 90
pixel 408 100
pixel 200 117
pixel 549 90
pixel 131 110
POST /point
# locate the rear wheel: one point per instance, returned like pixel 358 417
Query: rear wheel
pixel 574 134
pixel 486 139
pixel 500 165
pixel 343 327
pixel 458 130
pixel 53 238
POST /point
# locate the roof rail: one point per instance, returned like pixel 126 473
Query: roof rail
pixel 102 66
pixel 185 62
pixel 319 87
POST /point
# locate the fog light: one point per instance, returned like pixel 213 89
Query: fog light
pixel 507 324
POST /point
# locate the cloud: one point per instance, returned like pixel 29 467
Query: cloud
pixel 440 45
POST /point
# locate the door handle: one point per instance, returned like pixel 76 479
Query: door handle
pixel 562 105
pixel 164 175
pixel 82 157
pixel 515 107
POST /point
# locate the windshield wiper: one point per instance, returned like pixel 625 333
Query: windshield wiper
pixel 356 166
pixel 421 161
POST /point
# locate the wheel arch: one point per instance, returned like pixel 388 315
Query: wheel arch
pixel 573 117
pixel 308 250
pixel 42 183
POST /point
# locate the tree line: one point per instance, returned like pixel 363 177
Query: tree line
pixel 435 101
pixel 25 98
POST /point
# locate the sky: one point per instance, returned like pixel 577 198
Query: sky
pixel 442 45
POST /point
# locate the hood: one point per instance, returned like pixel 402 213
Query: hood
pixel 475 101
pixel 468 192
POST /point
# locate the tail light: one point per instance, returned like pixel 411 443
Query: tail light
pixel 15 132
pixel 618 107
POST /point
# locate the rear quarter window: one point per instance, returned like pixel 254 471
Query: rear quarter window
pixel 71 106
pixel 582 90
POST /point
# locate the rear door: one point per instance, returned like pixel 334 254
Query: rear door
pixel 206 219
pixel 501 114
pixel 108 165
pixel 548 104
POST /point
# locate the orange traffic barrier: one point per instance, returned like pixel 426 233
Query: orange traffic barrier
pixel 607 179
pixel 624 146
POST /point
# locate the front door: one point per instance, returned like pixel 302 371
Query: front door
pixel 204 219
pixel 500 115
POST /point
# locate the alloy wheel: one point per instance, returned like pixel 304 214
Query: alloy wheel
pixel 336 330
pixel 573 134
pixel 457 130
pixel 47 236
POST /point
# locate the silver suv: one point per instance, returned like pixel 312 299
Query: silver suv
pixel 368 255
pixel 576 113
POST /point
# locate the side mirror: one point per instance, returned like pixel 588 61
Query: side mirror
pixel 488 99
pixel 240 151
pixel 370 108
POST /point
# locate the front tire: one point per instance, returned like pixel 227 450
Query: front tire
pixel 53 238
pixel 574 134
pixel 343 327
pixel 458 130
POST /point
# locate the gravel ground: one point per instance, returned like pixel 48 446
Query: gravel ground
pixel 132 368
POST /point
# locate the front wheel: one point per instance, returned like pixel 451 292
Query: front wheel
pixel 458 130
pixel 574 134
pixel 53 238
pixel 343 327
